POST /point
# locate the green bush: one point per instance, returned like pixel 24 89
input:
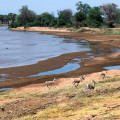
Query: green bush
pixel 84 23
pixel 79 16
pixel 13 25
pixel 53 22
pixel 94 24
pixel 30 24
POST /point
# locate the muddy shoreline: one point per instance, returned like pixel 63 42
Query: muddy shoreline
pixel 87 66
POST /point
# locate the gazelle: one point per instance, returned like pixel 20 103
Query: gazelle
pixel 76 82
pixel 102 75
pixel 50 83
pixel 82 78
pixel 91 86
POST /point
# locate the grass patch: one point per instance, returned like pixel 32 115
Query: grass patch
pixel 4 93
pixel 17 95
pixel 101 103
pixel 111 32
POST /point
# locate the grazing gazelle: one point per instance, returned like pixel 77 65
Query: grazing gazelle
pixel 50 83
pixel 91 86
pixel 82 78
pixel 102 75
pixel 76 82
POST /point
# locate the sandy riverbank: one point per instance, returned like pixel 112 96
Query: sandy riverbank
pixel 39 29
pixel 64 82
pixel 89 35
pixel 87 66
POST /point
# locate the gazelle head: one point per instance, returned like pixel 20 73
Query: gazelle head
pixel 54 79
pixel 93 82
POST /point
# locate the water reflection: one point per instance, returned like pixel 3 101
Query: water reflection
pixel 117 67
pixel 67 68
pixel 3 89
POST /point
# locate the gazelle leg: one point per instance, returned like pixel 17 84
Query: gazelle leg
pixel 47 86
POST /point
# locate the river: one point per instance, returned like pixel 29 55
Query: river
pixel 25 48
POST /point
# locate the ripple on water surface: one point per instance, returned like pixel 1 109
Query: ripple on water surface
pixel 25 48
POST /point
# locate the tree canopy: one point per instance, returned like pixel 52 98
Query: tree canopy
pixel 95 17
pixel 86 16
pixel 64 17
pixel 84 8
pixel 110 13
pixel 26 15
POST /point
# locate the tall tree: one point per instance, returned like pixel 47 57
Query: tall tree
pixel 2 19
pixel 79 16
pixel 12 16
pixel 84 8
pixel 46 19
pixel 26 15
pixel 118 15
pixel 66 14
pixel 64 17
pixel 95 14
pixel 110 13
pixel 95 17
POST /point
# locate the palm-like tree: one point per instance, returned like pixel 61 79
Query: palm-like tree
pixel 12 17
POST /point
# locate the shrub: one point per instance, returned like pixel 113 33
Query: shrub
pixel 13 25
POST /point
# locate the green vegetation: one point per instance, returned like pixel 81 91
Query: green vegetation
pixel 7 19
pixel 110 13
pixel 112 32
pixel 95 17
pixel 109 31
pixel 107 15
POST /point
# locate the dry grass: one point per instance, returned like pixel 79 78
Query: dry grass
pixel 102 103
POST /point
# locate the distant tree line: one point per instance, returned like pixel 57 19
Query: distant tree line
pixel 7 19
pixel 107 15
